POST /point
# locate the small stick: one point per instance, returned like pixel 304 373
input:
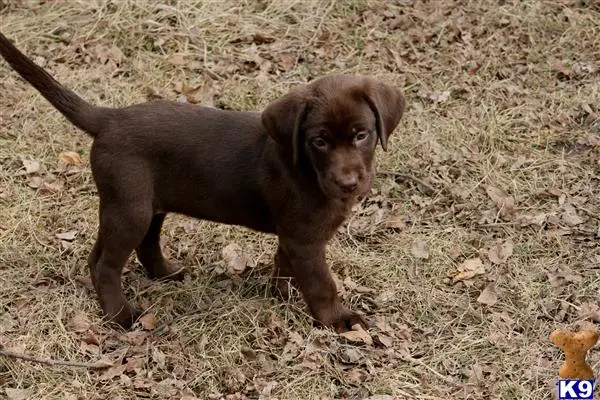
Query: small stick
pixel 48 361
pixel 413 178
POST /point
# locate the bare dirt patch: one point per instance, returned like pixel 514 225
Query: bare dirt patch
pixel 478 240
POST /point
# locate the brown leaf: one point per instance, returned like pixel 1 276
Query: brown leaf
pixel 148 321
pixel 70 158
pixel 420 249
pixel 134 363
pixel 89 348
pixel 135 338
pixel 562 276
pixel 440 97
pixel 259 38
pixel 287 61
pixel 113 372
pixel 537 220
pixel 502 200
pixel 358 334
pixel 235 259
pixel 177 59
pixel 31 166
pixel 35 182
pixel 488 296
pixel 396 222
pixel 248 353
pixel 159 357
pixel 68 236
pixel 385 340
pixel 570 216
pixel 90 337
pixel 79 323
pixel 590 310
pixel 54 186
pixel 370 50
pixel 469 269
pixel 17 394
pixel 104 52
pixel 499 253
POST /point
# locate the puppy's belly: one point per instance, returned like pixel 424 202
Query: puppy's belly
pixel 242 212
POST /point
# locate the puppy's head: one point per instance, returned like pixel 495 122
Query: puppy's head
pixel 333 124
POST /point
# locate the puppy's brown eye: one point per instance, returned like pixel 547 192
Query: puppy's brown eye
pixel 319 142
pixel 360 136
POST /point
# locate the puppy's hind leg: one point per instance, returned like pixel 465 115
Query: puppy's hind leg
pixel 151 257
pixel 123 225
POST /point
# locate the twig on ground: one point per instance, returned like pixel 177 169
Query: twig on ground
pixel 49 361
pixel 430 189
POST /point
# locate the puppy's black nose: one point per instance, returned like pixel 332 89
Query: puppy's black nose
pixel 348 184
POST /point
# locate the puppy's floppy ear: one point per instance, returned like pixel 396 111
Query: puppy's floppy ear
pixel 282 119
pixel 388 106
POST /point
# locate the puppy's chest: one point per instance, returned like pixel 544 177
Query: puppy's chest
pixel 328 218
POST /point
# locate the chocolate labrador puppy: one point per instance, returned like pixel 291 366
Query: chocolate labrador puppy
pixel 293 170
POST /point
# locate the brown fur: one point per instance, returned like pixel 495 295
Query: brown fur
pixel 293 170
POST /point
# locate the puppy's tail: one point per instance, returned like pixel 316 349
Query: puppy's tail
pixel 82 114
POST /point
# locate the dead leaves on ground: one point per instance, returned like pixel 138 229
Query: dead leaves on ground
pixel 39 177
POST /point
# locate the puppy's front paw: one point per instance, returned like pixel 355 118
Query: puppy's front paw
pixel 339 318
pixel 125 317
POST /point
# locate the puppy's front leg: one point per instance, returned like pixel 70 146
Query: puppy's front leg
pixel 312 276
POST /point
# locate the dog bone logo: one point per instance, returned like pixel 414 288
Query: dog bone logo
pixel 575 345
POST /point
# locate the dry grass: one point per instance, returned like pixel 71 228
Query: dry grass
pixel 502 94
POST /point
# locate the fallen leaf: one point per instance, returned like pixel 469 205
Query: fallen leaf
pixel 469 269
pixel 369 50
pixel 570 216
pixel 287 61
pixel 590 310
pixel 248 353
pixel 90 337
pixel 488 296
pixel 89 348
pixel 351 355
pixel 385 340
pixel 537 220
pixel 52 187
pixel 502 200
pixel 259 38
pixel 396 222
pixel 499 253
pixel 135 338
pixel 134 363
pixel 148 321
pixel 440 97
pixel 31 166
pixel 17 394
pixel 235 259
pixel 113 372
pixel 35 182
pixel 420 249
pixel 106 52
pixel 562 276
pixel 70 158
pixel 79 323
pixel 68 236
pixel 358 334
pixel 159 357
pixel 177 59
pixel 357 375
